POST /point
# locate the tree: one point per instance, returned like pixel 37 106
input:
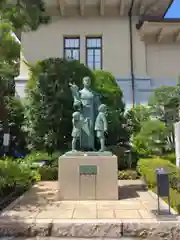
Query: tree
pixel 49 101
pixel 9 56
pixel 23 15
pixel 135 118
pixel 165 105
pixel 112 96
pixel 15 16
pixel 15 120
pixel 151 139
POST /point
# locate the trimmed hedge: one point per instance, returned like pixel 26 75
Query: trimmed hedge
pixel 147 169
pixel 170 157
pixel 128 175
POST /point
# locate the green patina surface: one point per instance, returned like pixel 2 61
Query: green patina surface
pixel 88 170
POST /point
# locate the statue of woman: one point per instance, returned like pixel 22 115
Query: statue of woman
pixel 90 103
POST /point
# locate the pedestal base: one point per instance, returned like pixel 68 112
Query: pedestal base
pixel 88 177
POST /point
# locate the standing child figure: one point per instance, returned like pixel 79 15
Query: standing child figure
pixel 101 126
pixel 76 120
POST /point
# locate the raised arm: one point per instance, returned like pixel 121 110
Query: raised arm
pixel 75 91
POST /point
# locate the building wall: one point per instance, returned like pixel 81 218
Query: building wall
pixel 47 42
pixel 154 65
pixel 163 60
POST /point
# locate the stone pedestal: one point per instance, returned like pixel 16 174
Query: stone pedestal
pixel 88 177
pixel 177 143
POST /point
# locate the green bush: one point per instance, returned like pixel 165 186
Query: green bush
pixel 48 173
pixel 128 175
pixel 48 106
pixel 147 169
pixel 151 140
pixel 37 156
pixel 16 174
pixel 112 96
pixel 171 157
pixel 125 159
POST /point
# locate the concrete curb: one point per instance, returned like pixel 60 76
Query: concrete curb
pixel 90 229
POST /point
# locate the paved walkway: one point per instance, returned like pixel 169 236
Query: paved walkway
pixel 40 206
pixel 41 202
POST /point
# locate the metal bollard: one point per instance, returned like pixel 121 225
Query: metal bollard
pixel 162 186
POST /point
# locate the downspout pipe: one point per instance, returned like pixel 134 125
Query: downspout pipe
pixel 131 53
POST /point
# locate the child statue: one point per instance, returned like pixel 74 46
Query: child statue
pixel 76 129
pixel 77 121
pixel 101 126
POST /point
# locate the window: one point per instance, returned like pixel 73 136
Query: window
pixel 72 47
pixel 94 52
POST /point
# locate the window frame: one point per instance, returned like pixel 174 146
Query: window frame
pixel 94 48
pixel 71 48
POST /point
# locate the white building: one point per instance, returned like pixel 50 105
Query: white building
pixel 129 38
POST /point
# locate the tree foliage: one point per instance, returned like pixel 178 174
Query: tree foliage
pixel 165 103
pixel 14 120
pixel 112 96
pixel 135 118
pixel 9 56
pixel 151 139
pixel 165 106
pixel 49 101
pixel 23 14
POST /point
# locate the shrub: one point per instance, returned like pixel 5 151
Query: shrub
pixel 48 173
pixel 135 118
pixel 112 96
pixel 125 159
pixel 16 174
pixel 147 169
pixel 171 157
pixel 128 175
pixel 38 156
pixel 49 102
pixel 151 140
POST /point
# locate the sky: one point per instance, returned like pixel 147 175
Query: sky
pixel 174 11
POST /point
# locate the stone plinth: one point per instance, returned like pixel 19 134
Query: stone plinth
pixel 177 142
pixel 87 177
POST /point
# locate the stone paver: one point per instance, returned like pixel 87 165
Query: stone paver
pixel 40 213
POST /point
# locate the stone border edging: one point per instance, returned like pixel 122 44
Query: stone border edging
pixel 91 229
